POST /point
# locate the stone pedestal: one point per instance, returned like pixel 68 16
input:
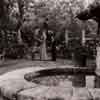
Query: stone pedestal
pixel 79 81
pixel 97 81
pixel 79 61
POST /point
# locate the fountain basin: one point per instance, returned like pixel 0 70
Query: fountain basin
pixel 14 86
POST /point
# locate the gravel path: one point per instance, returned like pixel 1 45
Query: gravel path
pixel 8 65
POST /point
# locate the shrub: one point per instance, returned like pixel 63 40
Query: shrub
pixel 15 51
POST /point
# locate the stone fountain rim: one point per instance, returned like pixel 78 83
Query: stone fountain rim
pixel 14 80
pixel 43 73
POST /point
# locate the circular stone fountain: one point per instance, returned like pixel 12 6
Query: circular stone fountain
pixel 48 77
pixel 32 84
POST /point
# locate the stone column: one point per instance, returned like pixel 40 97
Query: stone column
pixel 66 37
pixel 83 37
pixel 19 37
pixel 97 77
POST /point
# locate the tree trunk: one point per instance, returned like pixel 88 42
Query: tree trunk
pixel 21 13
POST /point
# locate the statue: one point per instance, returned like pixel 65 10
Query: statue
pixel 92 12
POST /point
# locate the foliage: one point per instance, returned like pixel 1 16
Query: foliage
pixel 15 51
pixel 28 15
pixel 60 14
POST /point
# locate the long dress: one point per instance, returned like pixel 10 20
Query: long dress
pixel 43 50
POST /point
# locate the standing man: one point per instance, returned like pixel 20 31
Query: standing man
pixel 53 51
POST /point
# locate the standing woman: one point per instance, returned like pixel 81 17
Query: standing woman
pixel 43 49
